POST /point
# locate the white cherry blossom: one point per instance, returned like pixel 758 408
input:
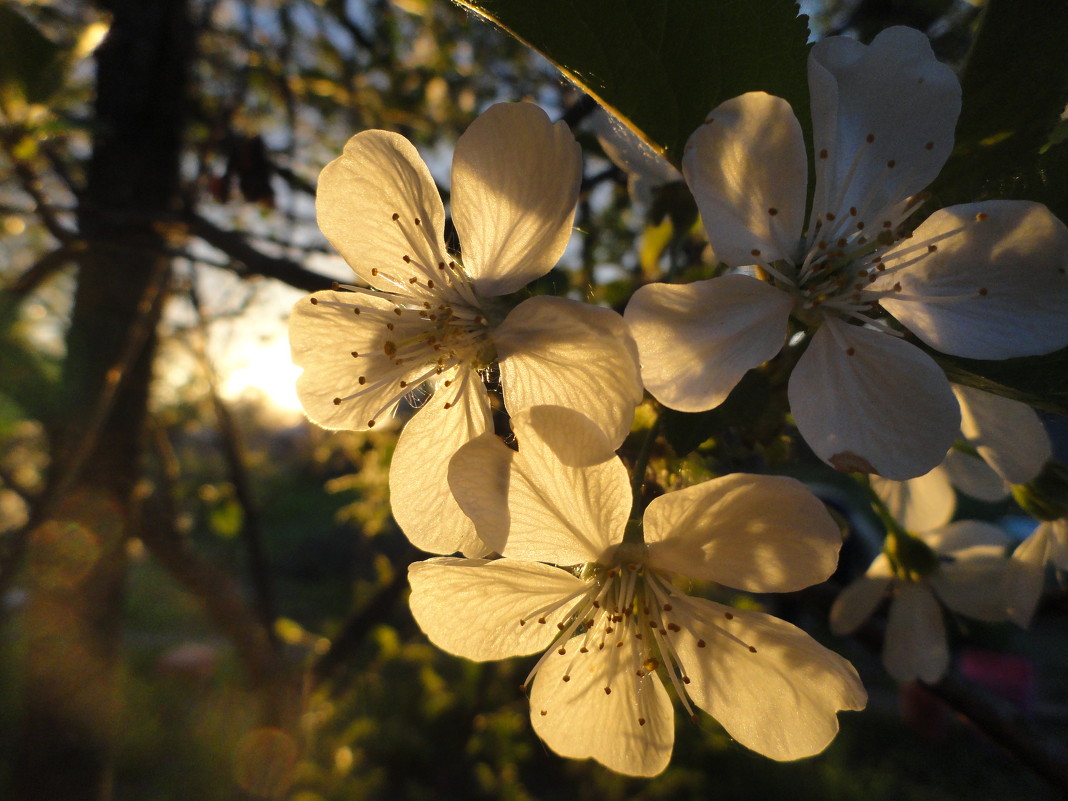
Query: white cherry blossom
pixel 984 280
pixel 426 319
pixel 1047 544
pixel 961 567
pixel 615 626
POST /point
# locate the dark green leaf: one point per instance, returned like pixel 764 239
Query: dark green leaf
pixel 664 64
pixel 31 65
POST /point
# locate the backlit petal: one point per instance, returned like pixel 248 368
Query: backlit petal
pixel 324 333
pixel 974 477
pixel 769 684
pixel 473 608
pixel 995 288
pixel 754 533
pixel 535 505
pixel 1026 577
pixel 747 169
pixel 885 408
pixel 380 175
pixel 919 504
pixel 515 181
pixel 419 494
pixel 629 729
pixel 560 352
pixel 696 341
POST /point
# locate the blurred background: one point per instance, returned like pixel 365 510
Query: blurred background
pixel 202 596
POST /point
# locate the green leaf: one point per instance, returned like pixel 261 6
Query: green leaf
pixel 31 65
pixel 1015 87
pixel 664 64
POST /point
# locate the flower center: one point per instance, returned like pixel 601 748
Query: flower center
pixel 625 605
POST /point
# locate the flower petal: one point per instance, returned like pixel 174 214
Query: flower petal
pixel 971 579
pixel 974 477
pixel 747 169
pixel 885 408
pixel 857 602
pixel 754 533
pixel 1008 434
pixel 883 117
pixel 769 684
pixel 324 333
pixel 577 718
pixel 1026 577
pixel 536 505
pixel 419 494
pixel 472 608
pixel 697 340
pixel 515 182
pixel 378 204
pixel 995 288
pixel 915 645
pixel 560 352
pixel 919 504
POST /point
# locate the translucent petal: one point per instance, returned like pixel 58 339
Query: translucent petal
pixel 919 504
pixel 995 288
pixel 697 340
pixel 974 477
pixel 533 504
pixel 380 175
pixel 473 608
pixel 886 409
pixel 857 602
pixel 324 332
pixel 1008 434
pixel 895 92
pixel 769 684
pixel 578 719
pixel 915 643
pixel 1026 576
pixel 754 533
pixel 419 494
pixel 560 352
pixel 515 182
pixel 748 172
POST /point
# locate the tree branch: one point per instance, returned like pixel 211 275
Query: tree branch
pixel 247 260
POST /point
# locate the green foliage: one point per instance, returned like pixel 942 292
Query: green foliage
pixel 662 65
pixel 31 66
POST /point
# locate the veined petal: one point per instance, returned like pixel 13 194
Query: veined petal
pixel 560 352
pixel 769 684
pixel 515 182
pixel 342 357
pixel 473 608
pixel 1026 577
pixel 378 204
pixel 696 341
pixel 754 533
pixel 919 504
pixel 534 505
pixel 629 729
pixel 915 645
pixel 857 602
pixel 995 287
pixel 865 400
pixel 1008 434
pixel 974 477
pixel 419 494
pixel 883 117
pixel 747 169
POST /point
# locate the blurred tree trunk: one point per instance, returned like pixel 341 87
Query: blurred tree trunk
pixel 76 558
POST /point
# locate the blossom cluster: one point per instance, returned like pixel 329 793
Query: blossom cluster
pixel 555 554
